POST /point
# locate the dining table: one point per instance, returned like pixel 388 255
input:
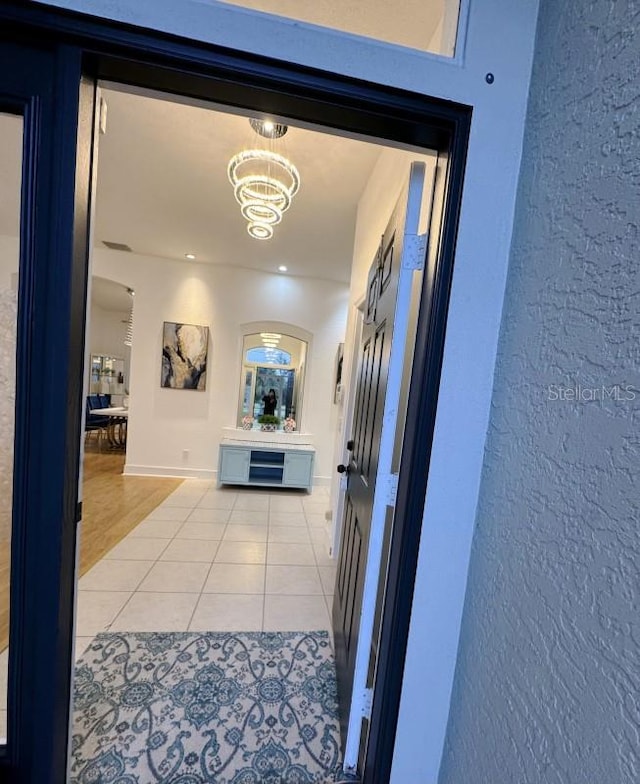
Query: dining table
pixel 116 424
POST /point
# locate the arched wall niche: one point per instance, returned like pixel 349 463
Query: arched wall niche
pixel 288 379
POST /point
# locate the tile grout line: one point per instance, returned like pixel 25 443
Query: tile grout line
pixel 206 577
pixel 266 555
pixel 315 556
pixel 225 529
pixel 135 590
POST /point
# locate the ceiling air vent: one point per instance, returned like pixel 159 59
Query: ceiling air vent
pixel 117 246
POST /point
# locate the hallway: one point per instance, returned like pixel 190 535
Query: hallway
pixel 209 559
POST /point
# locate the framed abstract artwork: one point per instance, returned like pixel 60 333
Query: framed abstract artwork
pixel 184 356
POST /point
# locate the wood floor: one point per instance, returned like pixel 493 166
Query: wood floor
pixel 113 505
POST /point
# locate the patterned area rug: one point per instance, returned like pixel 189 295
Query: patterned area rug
pixel 190 708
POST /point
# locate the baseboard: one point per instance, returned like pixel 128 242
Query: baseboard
pixel 170 472
pixel 322 481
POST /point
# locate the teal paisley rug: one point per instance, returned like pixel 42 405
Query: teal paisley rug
pixel 214 708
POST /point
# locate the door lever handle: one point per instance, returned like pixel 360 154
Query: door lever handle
pixel 343 469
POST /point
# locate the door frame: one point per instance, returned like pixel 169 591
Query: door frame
pixel 116 52
pixel 50 345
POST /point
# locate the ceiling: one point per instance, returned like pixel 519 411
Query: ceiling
pixel 110 295
pixel 163 189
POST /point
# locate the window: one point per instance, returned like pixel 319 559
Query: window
pixel 426 25
pixel 267 356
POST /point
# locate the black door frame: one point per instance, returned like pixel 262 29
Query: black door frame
pixel 153 60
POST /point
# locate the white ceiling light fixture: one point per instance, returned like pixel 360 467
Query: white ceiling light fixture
pixel 282 268
pixel 264 181
pixel 190 256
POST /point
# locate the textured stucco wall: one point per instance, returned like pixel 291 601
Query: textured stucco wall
pixel 547 685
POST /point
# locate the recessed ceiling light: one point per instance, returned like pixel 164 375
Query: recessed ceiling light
pixel 282 268
pixel 189 255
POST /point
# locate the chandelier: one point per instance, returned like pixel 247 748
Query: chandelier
pixel 264 182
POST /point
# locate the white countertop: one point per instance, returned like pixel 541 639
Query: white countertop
pixel 275 438
pixel 114 412
pixel 267 444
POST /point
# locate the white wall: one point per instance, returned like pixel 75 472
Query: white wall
pixel 107 332
pixel 497 37
pixel 164 423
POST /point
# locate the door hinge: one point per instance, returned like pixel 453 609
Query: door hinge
pixel 367 703
pixel 414 251
pixel 391 489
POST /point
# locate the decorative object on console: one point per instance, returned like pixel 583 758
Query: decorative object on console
pixel 247 422
pixel 289 424
pixel 264 182
pixel 184 356
pixel 269 423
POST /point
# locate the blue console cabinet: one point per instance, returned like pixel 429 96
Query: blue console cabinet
pixel 254 463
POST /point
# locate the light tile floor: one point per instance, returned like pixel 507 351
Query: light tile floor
pixel 212 559
pixel 216 559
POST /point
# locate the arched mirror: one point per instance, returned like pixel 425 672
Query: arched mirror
pixel 273 366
